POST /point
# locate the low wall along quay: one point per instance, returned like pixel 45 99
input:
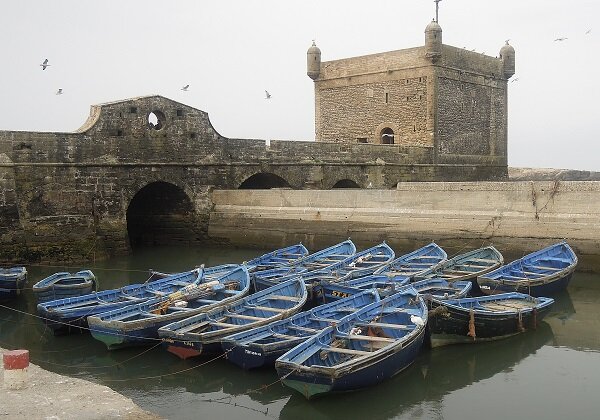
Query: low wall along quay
pixel 516 217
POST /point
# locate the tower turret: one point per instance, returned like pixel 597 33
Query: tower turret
pixel 313 61
pixel 507 55
pixel 433 41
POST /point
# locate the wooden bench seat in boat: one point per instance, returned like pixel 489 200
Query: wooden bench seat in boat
pixel 384 325
pixel 345 351
pixel 268 308
pixel 242 316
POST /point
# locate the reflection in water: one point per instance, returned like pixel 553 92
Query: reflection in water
pixel 178 389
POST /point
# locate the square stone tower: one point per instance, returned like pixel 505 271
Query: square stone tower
pixel 449 99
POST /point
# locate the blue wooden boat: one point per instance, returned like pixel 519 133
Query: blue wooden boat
pixel 416 262
pixel 317 261
pixel 70 314
pixel 202 333
pixel 261 346
pixel 387 285
pixel 540 273
pixel 138 324
pixel 282 257
pixel 333 290
pixel 484 318
pixel 63 285
pixel 12 281
pixel 466 267
pixel 371 345
pixel 358 265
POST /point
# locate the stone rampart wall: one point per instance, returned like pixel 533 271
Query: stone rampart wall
pixel 517 217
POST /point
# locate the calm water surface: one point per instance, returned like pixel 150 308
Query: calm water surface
pixel 550 373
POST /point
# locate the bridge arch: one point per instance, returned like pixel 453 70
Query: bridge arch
pixel 345 183
pixel 264 181
pixel 160 213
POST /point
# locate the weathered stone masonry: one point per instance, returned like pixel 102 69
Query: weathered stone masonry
pixel 72 195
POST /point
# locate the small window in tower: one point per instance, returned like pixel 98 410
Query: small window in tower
pixel 407 98
pixel 387 97
pixel 133 110
pixel 361 140
pixel 420 79
pixel 180 112
pixel 387 136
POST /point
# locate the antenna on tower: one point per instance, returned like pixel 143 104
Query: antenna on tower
pixel 437 6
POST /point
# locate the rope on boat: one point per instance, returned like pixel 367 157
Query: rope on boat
pixel 471 332
pixel 73 325
pixel 520 321
pixel 439 311
pixel 171 373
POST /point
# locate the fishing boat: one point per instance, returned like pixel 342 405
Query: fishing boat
pixel 333 290
pixel 282 257
pixel 261 346
pixel 12 281
pixel 373 344
pixel 484 318
pixel 387 285
pixel 540 273
pixel 70 314
pixel 416 262
pixel 317 261
pixel 63 285
pixel 138 324
pixel 202 333
pixel 358 265
pixel 466 267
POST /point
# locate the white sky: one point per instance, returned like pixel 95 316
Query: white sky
pixel 230 51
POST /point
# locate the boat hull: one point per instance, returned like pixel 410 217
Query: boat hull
pixel 373 371
pixel 451 326
pixel 546 288
pixel 11 286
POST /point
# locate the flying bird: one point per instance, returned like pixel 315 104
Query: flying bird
pixel 59 91
pixel 44 64
pixel 267 95
pixel 185 88
pixel 561 39
pixel 514 80
pixel 589 31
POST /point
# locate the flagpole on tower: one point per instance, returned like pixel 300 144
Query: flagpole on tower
pixel 437 6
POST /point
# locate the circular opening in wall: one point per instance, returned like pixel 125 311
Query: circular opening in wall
pixel 156 120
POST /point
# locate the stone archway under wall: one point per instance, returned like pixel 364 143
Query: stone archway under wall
pixel 345 183
pixel 264 181
pixel 159 214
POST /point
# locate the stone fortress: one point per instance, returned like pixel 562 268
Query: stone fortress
pixel 148 170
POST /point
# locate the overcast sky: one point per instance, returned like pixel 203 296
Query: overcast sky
pixel 230 51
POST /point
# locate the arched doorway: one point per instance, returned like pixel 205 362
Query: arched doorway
pixel 160 214
pixel 264 181
pixel 387 136
pixel 345 183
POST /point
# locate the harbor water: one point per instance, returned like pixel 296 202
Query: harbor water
pixel 552 372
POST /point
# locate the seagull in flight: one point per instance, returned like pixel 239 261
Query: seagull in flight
pixel 44 64
pixel 561 39
pixel 514 80
pixel 267 95
pixel 589 31
pixel 185 88
pixel 59 91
